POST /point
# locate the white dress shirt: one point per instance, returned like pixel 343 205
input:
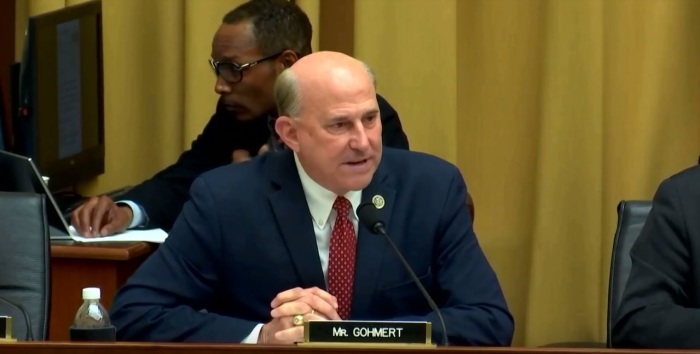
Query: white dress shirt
pixel 139 215
pixel 320 201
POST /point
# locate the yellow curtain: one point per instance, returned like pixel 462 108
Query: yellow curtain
pixel 159 88
pixel 554 110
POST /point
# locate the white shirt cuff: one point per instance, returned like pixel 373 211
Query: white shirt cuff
pixel 252 338
pixel 137 211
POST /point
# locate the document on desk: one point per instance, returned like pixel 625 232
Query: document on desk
pixel 153 236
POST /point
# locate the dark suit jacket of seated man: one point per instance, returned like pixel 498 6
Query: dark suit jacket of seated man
pixel 245 236
pixel 660 307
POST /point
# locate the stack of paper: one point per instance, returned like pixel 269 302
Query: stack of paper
pixel 153 235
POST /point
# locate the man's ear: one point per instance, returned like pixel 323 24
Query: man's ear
pixel 287 58
pixel 287 129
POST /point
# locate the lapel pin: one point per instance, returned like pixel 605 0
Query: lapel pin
pixel 378 201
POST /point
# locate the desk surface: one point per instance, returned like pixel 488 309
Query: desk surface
pixel 156 348
pixel 115 251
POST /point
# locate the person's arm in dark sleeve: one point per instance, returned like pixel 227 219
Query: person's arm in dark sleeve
pixel 654 310
pixel 162 196
pixel 473 305
pixel 162 301
pixel 392 131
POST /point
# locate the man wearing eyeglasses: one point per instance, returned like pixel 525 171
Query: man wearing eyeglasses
pixel 255 42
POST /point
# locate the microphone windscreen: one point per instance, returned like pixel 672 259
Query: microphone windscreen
pixel 369 216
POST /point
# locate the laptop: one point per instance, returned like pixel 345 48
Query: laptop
pixel 19 174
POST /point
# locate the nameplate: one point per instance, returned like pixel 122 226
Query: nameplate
pixel 368 332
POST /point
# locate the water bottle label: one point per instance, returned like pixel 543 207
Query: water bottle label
pixel 94 312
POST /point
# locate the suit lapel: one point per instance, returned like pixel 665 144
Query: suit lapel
pixel 371 247
pixel 293 218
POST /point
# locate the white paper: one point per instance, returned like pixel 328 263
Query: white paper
pixel 154 236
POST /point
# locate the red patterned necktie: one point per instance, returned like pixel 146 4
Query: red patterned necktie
pixel 341 258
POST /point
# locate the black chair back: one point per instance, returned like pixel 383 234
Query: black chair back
pixel 631 216
pixel 24 264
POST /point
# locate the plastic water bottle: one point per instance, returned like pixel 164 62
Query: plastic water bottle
pixel 91 314
pixel 92 319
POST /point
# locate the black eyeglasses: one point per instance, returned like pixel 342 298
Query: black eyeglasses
pixel 233 72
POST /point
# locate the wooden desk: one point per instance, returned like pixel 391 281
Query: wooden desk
pixel 75 266
pixel 153 348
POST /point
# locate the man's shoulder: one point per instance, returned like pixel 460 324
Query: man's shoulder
pixel 413 157
pixel 688 175
pixel 416 164
pixel 241 176
pixel 686 182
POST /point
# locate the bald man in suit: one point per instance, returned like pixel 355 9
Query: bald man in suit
pixel 277 238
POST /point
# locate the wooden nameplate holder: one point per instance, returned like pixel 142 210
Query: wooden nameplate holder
pixel 383 334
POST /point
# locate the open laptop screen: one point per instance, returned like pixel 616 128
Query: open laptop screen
pixel 19 174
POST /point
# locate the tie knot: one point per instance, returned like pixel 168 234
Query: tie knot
pixel 342 206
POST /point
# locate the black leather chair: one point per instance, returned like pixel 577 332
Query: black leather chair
pixel 24 264
pixel 631 216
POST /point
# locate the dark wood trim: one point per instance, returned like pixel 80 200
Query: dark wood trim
pixel 116 251
pixel 7 57
pixel 336 30
pixel 189 348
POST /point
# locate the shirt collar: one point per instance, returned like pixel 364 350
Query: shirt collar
pixel 320 199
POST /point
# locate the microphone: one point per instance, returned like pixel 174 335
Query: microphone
pixel 370 217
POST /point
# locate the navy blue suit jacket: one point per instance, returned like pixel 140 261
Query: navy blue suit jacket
pixel 247 235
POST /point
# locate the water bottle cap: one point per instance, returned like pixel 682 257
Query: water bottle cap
pixel 91 294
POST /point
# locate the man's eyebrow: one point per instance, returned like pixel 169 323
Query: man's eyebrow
pixel 338 119
pixel 343 118
pixel 373 112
